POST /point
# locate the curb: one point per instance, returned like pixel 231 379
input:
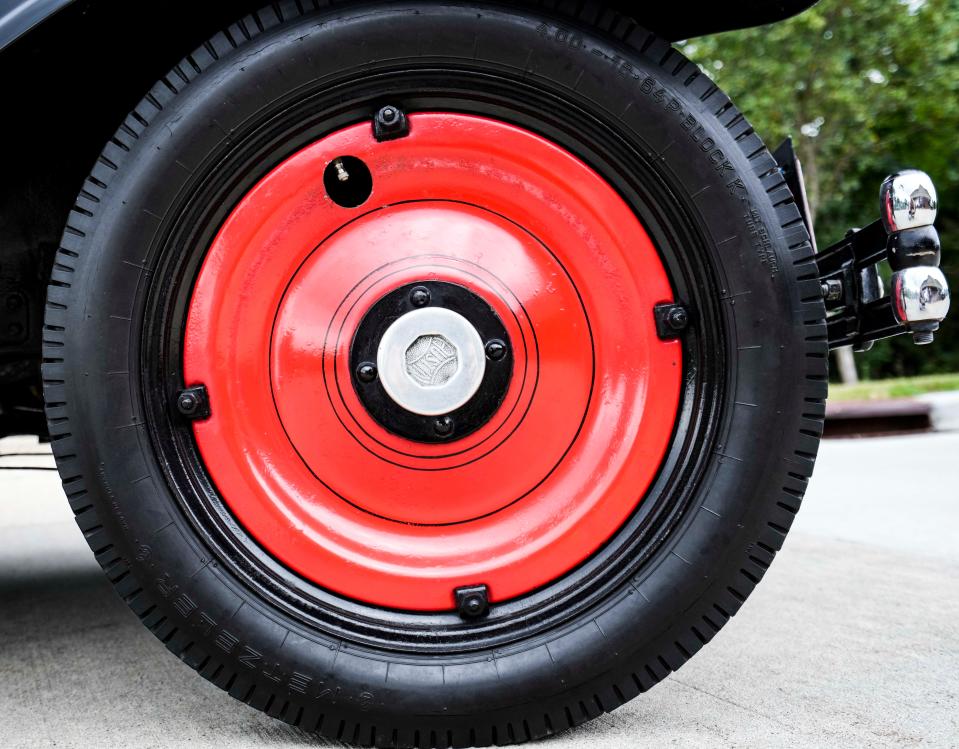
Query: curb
pixel 862 418
pixel 937 412
pixel 944 410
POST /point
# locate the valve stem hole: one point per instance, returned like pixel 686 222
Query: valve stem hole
pixel 348 181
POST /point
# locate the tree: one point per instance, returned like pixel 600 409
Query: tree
pixel 864 87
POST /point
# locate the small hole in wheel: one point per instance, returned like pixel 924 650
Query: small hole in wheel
pixel 348 181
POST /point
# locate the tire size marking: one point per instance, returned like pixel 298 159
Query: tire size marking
pixel 561 36
pixel 295 682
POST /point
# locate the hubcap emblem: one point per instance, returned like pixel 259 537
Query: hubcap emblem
pixel 432 360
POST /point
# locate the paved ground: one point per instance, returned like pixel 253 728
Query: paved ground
pixel 851 640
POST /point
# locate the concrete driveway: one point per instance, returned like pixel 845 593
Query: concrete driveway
pixel 851 640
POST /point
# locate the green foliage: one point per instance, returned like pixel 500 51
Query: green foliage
pixel 864 87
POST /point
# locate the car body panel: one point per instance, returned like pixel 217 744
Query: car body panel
pixel 18 17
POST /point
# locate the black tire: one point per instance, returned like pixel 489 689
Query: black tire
pixel 759 405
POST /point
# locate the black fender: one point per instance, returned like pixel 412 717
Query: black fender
pixel 18 17
pixel 676 21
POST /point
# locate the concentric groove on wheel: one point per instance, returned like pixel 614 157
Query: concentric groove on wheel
pixel 70 255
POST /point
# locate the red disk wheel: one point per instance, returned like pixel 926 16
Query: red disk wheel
pixel 432 362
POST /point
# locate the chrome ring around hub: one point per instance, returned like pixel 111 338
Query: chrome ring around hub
pixel 431 361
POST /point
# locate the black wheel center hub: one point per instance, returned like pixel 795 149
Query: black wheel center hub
pixel 446 378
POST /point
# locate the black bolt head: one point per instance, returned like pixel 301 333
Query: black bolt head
pixel 496 350
pixel 472 601
pixel 188 403
pixel 678 318
pixel 193 403
pixel 671 320
pixel 366 372
pixel 443 426
pixel 420 296
pixel 390 123
pixel 389 115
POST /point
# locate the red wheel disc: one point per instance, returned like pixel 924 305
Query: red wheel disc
pixel 566 457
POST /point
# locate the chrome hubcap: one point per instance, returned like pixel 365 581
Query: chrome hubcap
pixel 431 361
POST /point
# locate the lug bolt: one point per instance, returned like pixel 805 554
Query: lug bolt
pixel 389 115
pixel 188 404
pixel 193 403
pixel 496 350
pixel 671 320
pixel 390 123
pixel 443 426
pixel 472 601
pixel 366 372
pixel 678 318
pixel 420 296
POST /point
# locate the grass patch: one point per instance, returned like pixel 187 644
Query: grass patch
pixel 904 387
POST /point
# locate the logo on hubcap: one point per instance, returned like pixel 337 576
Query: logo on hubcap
pixel 431 360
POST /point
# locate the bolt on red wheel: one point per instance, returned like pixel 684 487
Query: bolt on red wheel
pixel 432 362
